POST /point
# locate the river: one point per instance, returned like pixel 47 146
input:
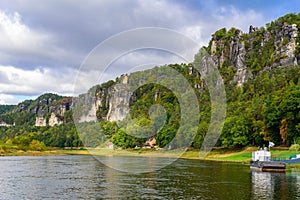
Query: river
pixel 84 177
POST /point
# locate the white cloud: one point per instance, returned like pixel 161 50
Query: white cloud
pixel 159 13
pixel 30 82
pixel 8 99
pixel 140 60
pixel 230 16
pixel 133 61
pixel 16 36
pixel 195 32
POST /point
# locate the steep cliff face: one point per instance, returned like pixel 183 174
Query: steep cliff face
pixel 108 101
pixel 51 112
pixel 229 50
pixel 285 43
pixel 260 49
pixel 119 99
pixel 54 120
pixel 40 121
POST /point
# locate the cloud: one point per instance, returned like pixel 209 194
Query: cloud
pixel 8 99
pixel 55 35
pixel 26 47
pixel 43 45
pixel 229 16
pixel 16 36
pixel 140 60
pixel 125 64
pixel 36 81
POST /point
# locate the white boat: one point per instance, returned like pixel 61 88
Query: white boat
pixel 261 160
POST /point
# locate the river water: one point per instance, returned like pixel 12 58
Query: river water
pixel 84 177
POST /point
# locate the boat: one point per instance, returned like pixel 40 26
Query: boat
pixel 261 160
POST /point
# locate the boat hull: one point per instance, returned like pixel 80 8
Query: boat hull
pixel 268 166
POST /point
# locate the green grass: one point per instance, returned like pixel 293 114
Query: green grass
pixel 283 153
pixel 140 152
pixel 14 150
pixel 238 157
pixel 215 155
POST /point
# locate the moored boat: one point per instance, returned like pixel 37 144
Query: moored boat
pixel 261 160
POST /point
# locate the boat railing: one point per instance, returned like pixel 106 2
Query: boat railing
pixel 279 158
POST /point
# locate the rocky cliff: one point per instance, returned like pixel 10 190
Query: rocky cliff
pixel 259 49
pixel 108 102
pixel 47 109
pixel 119 99
pixel 51 111
pixel 239 57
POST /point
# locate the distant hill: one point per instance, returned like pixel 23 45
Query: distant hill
pixel 6 108
pixel 37 112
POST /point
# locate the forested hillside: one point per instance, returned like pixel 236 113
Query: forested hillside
pixel 261 74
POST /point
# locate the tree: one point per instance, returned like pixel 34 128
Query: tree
pixel 284 130
pixel 235 132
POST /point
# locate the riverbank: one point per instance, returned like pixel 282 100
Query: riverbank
pixel 220 155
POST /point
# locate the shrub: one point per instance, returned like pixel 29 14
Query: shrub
pixel 294 147
pixel 37 145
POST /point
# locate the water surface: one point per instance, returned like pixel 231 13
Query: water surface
pixel 84 177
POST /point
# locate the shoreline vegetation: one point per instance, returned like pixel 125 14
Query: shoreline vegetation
pixel 242 156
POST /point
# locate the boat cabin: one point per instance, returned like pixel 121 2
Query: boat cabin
pixel 261 155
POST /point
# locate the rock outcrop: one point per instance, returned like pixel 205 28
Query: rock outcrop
pixel 54 120
pixel 285 43
pixel 109 102
pixel 119 100
pixel 40 121
pixel 276 47
pixel 50 111
pixel 5 124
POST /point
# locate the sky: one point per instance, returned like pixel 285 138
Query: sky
pixel 44 43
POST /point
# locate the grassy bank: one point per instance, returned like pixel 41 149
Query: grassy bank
pixel 241 156
pixel 216 154
pixel 13 150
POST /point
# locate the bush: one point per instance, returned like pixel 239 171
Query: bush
pixel 294 147
pixel 220 33
pixel 36 145
pixel 9 142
